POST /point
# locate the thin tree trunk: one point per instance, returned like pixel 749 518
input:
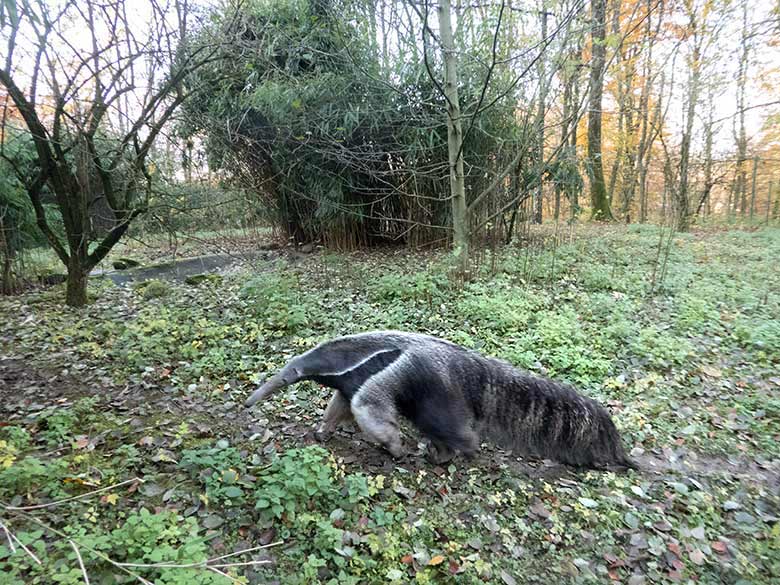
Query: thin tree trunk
pixel 768 201
pixel 621 90
pixel 704 202
pixel 7 285
pixel 740 190
pixel 682 193
pixel 753 187
pixel 454 140
pixel 655 129
pixel 538 194
pixel 598 189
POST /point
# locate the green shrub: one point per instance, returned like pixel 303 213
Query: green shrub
pixel 17 437
pixel 566 350
pixel 56 426
pixel 220 469
pixel 498 308
pixel 661 348
pixel 143 538
pixel 278 302
pixel 32 475
pixel 696 314
pixel 760 335
pixel 153 289
pixel 428 285
pixel 294 482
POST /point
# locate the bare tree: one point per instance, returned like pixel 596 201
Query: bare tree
pixel 454 138
pixel 598 189
pixel 541 108
pixel 739 185
pixel 94 84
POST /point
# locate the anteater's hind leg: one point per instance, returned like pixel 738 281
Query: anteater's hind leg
pixel 337 411
pixel 463 440
pixel 439 452
pixel 378 421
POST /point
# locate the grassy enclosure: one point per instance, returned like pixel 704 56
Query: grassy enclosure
pixel 677 334
pixel 194 192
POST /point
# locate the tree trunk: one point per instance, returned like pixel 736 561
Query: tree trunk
pixel 76 292
pixel 454 140
pixel 617 63
pixel 753 188
pixel 768 201
pixel 704 201
pixel 655 128
pixel 740 177
pixel 538 194
pixel 8 285
pixel 682 192
pixel 598 189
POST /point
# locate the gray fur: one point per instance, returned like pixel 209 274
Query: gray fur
pixel 454 396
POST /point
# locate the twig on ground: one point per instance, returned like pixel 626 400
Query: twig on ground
pixel 58 502
pixel 126 566
pixel 81 562
pixel 201 564
pixel 225 575
pixel 243 564
pixel 247 550
pixel 8 536
pixel 61 534
pixel 11 537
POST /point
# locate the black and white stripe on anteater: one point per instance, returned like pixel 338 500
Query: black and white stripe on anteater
pixel 454 396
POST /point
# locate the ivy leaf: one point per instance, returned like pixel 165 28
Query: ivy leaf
pixel 233 491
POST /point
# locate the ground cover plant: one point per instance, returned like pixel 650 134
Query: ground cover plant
pixel 140 395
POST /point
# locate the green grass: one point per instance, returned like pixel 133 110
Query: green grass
pixel 687 363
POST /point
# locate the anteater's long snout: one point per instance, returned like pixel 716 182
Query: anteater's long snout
pixel 271 385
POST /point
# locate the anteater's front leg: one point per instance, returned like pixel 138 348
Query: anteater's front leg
pixel 377 419
pixel 337 411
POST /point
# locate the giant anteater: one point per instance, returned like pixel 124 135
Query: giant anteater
pixel 454 396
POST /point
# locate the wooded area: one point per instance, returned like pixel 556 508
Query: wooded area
pixel 352 123
pixel 193 192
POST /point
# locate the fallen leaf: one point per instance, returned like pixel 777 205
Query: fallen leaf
pixel 719 547
pixel 81 442
pixel 711 371
pixel 436 560
pixel 696 556
pixel 507 578
pixel 110 499
pixel 151 489
pixel 744 518
pixel 538 509
pixel 698 532
pixel 213 521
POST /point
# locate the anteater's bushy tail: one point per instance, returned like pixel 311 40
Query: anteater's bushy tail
pixel 542 418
